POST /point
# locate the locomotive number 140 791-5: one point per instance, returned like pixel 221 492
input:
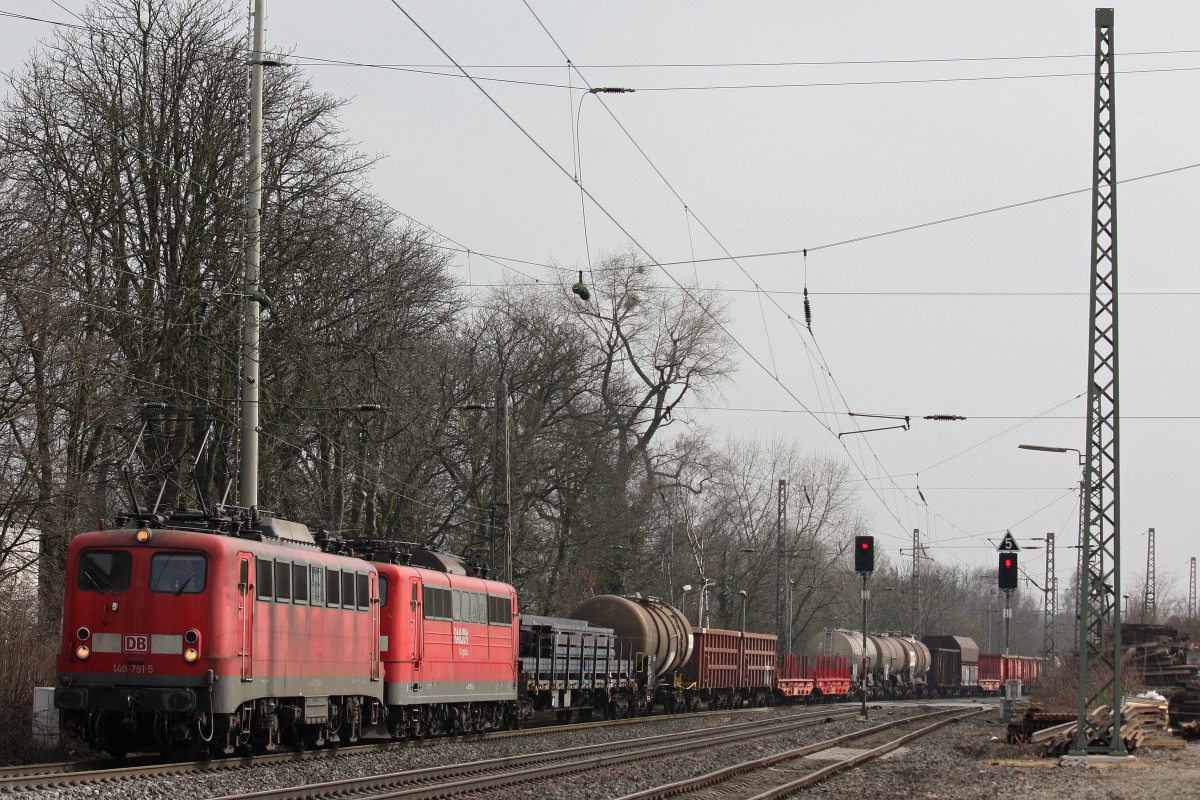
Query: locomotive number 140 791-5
pixel 133 669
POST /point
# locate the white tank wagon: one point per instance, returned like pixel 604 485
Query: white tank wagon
pixel 896 665
pixel 917 659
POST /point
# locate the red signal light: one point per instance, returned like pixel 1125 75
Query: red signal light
pixel 864 554
pixel 1007 574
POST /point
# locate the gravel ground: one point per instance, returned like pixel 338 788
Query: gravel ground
pixel 968 760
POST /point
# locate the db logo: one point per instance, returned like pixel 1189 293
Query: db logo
pixel 135 643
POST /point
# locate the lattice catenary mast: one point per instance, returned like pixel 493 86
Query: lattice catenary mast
pixel 1150 600
pixel 1100 580
pixel 916 581
pixel 1050 605
pixel 781 560
pixel 1192 592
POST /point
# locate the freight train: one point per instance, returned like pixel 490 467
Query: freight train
pixel 900 666
pixel 221 633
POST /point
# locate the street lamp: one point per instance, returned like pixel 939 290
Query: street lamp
pixel 1051 449
pixel 687 587
pixel 742 594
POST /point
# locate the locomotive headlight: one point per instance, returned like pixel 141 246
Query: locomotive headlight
pixel 82 652
pixel 191 655
pixel 83 634
pixel 142 536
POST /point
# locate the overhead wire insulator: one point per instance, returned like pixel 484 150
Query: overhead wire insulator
pixel 807 305
pixel 581 289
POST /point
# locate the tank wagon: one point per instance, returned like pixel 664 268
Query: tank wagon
pixel 658 634
pixel 687 668
pixel 889 666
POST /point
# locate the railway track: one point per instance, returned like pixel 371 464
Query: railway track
pixel 493 774
pixel 61 774
pixel 784 774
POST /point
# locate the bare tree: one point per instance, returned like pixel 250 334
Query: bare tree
pixel 127 138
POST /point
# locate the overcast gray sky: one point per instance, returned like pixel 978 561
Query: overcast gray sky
pixel 780 126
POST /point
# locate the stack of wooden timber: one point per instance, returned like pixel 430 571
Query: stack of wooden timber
pixel 1033 719
pixel 1142 717
pixel 1139 718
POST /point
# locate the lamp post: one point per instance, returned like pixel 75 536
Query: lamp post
pixel 742 594
pixel 791 588
pixel 687 587
pixel 702 604
pixel 500 518
pixel 1098 496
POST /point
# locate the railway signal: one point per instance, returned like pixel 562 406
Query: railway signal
pixel 864 565
pixel 1007 574
pixel 864 553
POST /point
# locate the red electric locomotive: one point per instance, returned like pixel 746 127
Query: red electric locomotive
pixel 211 634
pixel 449 640
pixel 177 637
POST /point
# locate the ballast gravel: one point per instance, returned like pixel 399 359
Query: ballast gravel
pixel 965 761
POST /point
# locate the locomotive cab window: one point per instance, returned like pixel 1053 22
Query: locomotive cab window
pixel 383 591
pixel 105 571
pixel 437 603
pixel 178 573
pixel 499 610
